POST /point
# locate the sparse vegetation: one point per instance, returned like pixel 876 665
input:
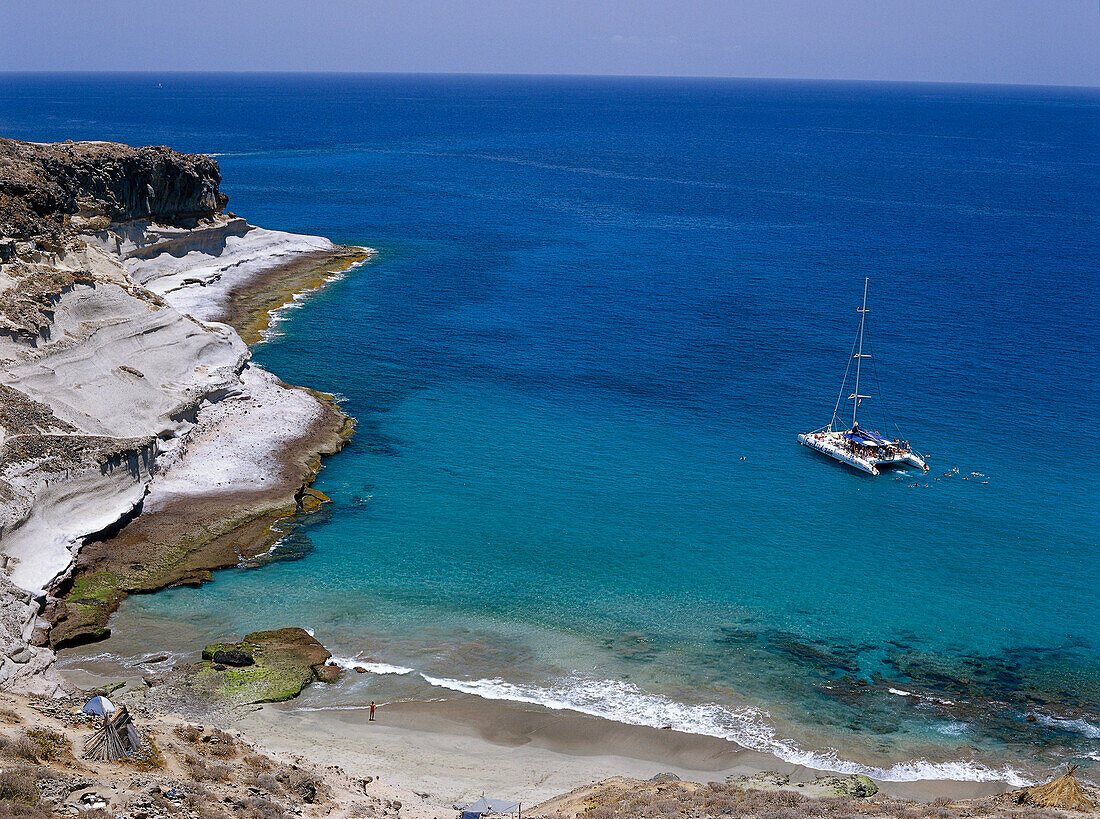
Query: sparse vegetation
pixel 148 757
pixel 19 747
pixel 258 761
pixel 203 771
pixel 16 787
pixel 620 799
pixel 219 743
pixel 51 745
pixel 21 810
pixel 189 733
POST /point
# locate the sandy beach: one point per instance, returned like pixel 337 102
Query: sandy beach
pixel 457 750
pixel 443 752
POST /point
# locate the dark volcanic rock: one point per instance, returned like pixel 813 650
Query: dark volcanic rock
pixel 234 657
pixel 42 186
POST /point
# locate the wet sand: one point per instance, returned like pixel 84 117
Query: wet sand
pixel 464 746
pixel 468 746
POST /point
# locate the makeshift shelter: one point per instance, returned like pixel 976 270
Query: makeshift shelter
pixel 116 738
pixel 485 806
pixel 100 706
pixel 1063 792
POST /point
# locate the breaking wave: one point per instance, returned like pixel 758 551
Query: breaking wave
pixel 353 663
pixel 749 727
pixel 297 301
pixel 1077 726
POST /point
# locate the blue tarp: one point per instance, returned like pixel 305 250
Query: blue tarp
pixel 487 805
pixel 100 706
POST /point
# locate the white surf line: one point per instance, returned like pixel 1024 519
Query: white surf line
pixel 748 727
pixel 297 301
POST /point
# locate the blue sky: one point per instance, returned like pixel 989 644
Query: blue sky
pixel 1000 41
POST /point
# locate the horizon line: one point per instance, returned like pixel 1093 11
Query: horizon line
pixel 517 75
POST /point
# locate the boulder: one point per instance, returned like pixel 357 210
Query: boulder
pixel 283 662
pixel 234 657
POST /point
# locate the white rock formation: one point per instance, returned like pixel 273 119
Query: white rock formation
pixel 130 396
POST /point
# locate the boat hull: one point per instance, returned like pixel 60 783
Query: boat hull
pixel 825 447
pixel 872 465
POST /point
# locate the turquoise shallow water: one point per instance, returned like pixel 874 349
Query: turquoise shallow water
pixel 600 314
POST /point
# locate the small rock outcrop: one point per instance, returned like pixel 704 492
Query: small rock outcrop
pixel 266 666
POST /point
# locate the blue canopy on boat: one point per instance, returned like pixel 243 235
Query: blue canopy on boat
pixel 874 436
pixel 865 438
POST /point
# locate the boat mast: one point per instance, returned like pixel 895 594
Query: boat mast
pixel 859 356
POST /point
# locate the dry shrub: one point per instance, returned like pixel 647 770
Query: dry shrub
pixel 51 745
pixel 265 782
pixel 260 763
pixel 789 798
pixel 306 787
pixel 261 808
pixel 9 717
pixel 779 811
pixel 20 747
pixel 220 749
pixel 195 796
pixel 19 788
pixel 148 757
pixel 189 733
pixel 219 771
pixel 203 771
pixel 21 810
pixel 218 743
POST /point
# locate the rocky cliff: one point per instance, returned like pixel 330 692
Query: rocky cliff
pixel 49 191
pixel 120 390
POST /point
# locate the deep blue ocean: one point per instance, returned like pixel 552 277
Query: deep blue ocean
pixel 600 313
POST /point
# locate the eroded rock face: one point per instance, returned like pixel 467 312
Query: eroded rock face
pixel 124 399
pixel 45 190
pixel 80 421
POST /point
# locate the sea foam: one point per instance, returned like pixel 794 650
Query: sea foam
pixel 748 727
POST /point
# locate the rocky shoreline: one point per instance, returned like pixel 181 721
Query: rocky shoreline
pixel 139 447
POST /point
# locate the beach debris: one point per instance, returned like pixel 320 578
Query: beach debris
pixel 487 805
pixel 116 738
pixel 1062 792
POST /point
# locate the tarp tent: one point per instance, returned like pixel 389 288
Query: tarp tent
pixel 486 805
pixel 100 706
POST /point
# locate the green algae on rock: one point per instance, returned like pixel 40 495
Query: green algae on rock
pixel 284 662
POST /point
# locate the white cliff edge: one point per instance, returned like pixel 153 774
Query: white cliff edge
pixel 128 397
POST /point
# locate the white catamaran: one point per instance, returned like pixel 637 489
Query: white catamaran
pixel 861 448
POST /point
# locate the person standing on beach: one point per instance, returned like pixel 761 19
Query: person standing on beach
pixel 371 711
